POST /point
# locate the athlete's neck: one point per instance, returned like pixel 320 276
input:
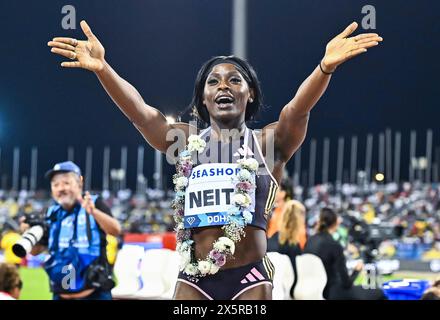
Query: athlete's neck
pixel 225 133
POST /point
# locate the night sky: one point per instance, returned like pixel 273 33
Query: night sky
pixel 158 46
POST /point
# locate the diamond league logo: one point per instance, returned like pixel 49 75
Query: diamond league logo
pixel 190 220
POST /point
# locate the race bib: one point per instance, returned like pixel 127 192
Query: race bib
pixel 209 195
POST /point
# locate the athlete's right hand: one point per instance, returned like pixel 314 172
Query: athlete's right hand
pixel 89 54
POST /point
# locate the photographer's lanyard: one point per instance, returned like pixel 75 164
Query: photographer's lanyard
pixel 60 217
pixel 88 227
pixel 75 229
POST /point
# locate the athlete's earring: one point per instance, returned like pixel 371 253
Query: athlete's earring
pixel 251 100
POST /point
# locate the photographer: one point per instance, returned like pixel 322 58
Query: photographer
pixel 339 282
pixel 75 228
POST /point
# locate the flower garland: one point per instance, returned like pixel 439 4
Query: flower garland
pixel 238 215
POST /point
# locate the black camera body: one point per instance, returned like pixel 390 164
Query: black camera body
pixel 38 231
pixel 99 276
pixel 35 219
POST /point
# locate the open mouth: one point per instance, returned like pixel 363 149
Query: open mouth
pixel 224 101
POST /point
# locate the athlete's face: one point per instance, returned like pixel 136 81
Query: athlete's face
pixel 226 94
pixel 66 188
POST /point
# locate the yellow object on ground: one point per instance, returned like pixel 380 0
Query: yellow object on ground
pixel 9 239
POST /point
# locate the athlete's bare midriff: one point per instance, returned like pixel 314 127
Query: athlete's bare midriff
pixel 250 249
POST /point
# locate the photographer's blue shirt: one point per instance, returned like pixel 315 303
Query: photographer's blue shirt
pixel 65 227
pixel 75 242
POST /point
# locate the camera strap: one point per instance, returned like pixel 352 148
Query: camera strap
pixel 75 227
pixel 89 229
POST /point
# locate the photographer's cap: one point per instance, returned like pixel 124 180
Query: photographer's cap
pixel 67 166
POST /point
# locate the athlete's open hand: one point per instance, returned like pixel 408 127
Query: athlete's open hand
pixel 342 47
pixel 88 54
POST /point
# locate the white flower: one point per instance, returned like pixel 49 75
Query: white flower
pixel 238 199
pixel 247 215
pixel 242 200
pixel 178 246
pixel 191 269
pixel 252 164
pixel 204 267
pixel 184 246
pixel 214 268
pixel 181 182
pixel 225 244
pixel 180 226
pixel 244 175
pixel 195 143
pixel 185 258
pixel 178 220
pixel 249 163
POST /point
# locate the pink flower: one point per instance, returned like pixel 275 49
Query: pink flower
pixel 214 254
pixel 186 169
pixel 245 186
pixel 218 257
pixel 186 172
pixel 220 262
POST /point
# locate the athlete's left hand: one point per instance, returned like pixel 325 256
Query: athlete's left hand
pixel 87 203
pixel 342 47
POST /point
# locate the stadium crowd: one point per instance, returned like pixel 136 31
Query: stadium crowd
pixel 375 219
pixel 371 212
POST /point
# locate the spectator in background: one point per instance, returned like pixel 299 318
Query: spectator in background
pixel 339 283
pixel 283 195
pixel 287 239
pixel 10 282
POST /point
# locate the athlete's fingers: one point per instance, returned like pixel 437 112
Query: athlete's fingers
pixel 71 64
pixel 349 30
pixel 366 45
pixel 61 45
pixel 71 41
pixel 369 39
pixel 64 53
pixel 354 53
pixel 365 35
pixel 86 29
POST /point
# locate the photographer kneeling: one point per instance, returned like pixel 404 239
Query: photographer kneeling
pixel 75 229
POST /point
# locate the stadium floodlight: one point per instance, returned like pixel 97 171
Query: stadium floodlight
pixel 379 177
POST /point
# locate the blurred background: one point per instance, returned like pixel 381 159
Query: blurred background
pixel 372 149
